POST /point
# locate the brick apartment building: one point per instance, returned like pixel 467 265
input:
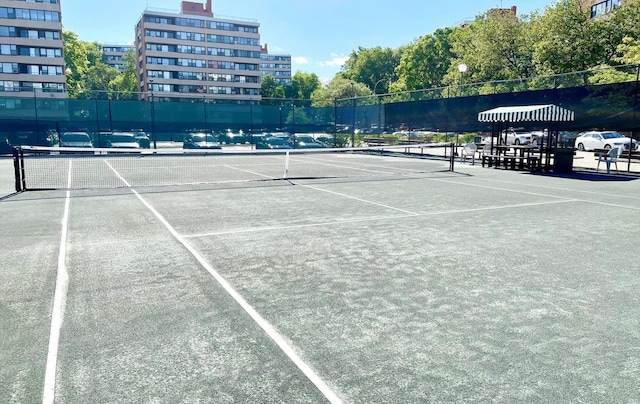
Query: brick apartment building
pixel 194 54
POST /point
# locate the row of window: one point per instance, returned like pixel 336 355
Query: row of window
pixel 41 1
pixel 274 66
pixel 275 58
pixel 179 88
pixel 201 50
pixel 276 73
pixel 202 76
pixel 26 14
pixel 19 68
pixel 196 23
pixel 199 37
pixel 17 50
pixel 15 32
pixel 116 49
pixel 211 64
pixel 604 7
pixel 17 86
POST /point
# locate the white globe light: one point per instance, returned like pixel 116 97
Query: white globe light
pixel 462 67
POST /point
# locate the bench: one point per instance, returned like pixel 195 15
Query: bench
pixel 509 161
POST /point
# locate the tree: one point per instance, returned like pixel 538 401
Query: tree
pixel 339 88
pixel 372 66
pixel 270 88
pixel 425 63
pixel 497 47
pixel 304 84
pixel 566 39
pixel 76 62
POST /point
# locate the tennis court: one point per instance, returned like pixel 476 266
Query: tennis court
pixel 384 279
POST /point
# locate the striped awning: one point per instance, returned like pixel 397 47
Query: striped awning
pixel 527 113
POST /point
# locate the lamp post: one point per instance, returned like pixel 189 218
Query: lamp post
pixel 462 68
pixel 375 86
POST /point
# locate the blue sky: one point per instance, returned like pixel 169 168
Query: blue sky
pixel 318 34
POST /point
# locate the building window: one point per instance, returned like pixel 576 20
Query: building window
pixel 604 7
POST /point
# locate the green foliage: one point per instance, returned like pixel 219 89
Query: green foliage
pixel 88 76
pixel 304 84
pixel 339 88
pixel 629 51
pixel 425 63
pixel 373 67
pixel 270 88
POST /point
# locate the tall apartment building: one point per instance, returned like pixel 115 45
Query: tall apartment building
pixel 276 65
pixel 31 49
pixel 113 54
pixel 193 54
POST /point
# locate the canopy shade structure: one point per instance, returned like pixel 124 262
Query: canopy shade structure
pixel 527 113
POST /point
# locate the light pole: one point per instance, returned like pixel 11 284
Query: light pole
pixel 462 68
pixel 375 86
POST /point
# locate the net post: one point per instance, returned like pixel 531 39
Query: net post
pixel 452 157
pixel 17 170
pixel 23 175
pixel 286 165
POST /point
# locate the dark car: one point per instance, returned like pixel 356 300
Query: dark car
pixel 75 139
pixel 305 142
pixel 200 141
pixel 272 143
pixel 142 138
pixel 230 137
pixel 122 140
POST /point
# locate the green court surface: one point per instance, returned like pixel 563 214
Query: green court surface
pixel 478 285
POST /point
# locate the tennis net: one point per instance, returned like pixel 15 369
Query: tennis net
pixel 44 168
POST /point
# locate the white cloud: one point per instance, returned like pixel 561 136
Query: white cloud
pixel 301 60
pixel 337 61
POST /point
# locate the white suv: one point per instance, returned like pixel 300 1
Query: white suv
pixel 516 137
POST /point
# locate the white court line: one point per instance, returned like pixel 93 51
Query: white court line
pixel 563 189
pixel 359 199
pixel 264 324
pixel 376 218
pixel 323 163
pixel 394 168
pixel 59 303
pixel 534 193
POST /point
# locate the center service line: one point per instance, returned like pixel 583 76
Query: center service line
pixel 264 324
pixel 59 302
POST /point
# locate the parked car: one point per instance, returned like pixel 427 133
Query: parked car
pixel 200 141
pixel 272 143
pixel 326 139
pixel 122 140
pixel 603 140
pixel 142 138
pixel 304 142
pixel 230 137
pixel 516 137
pixel 567 139
pixel 75 139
